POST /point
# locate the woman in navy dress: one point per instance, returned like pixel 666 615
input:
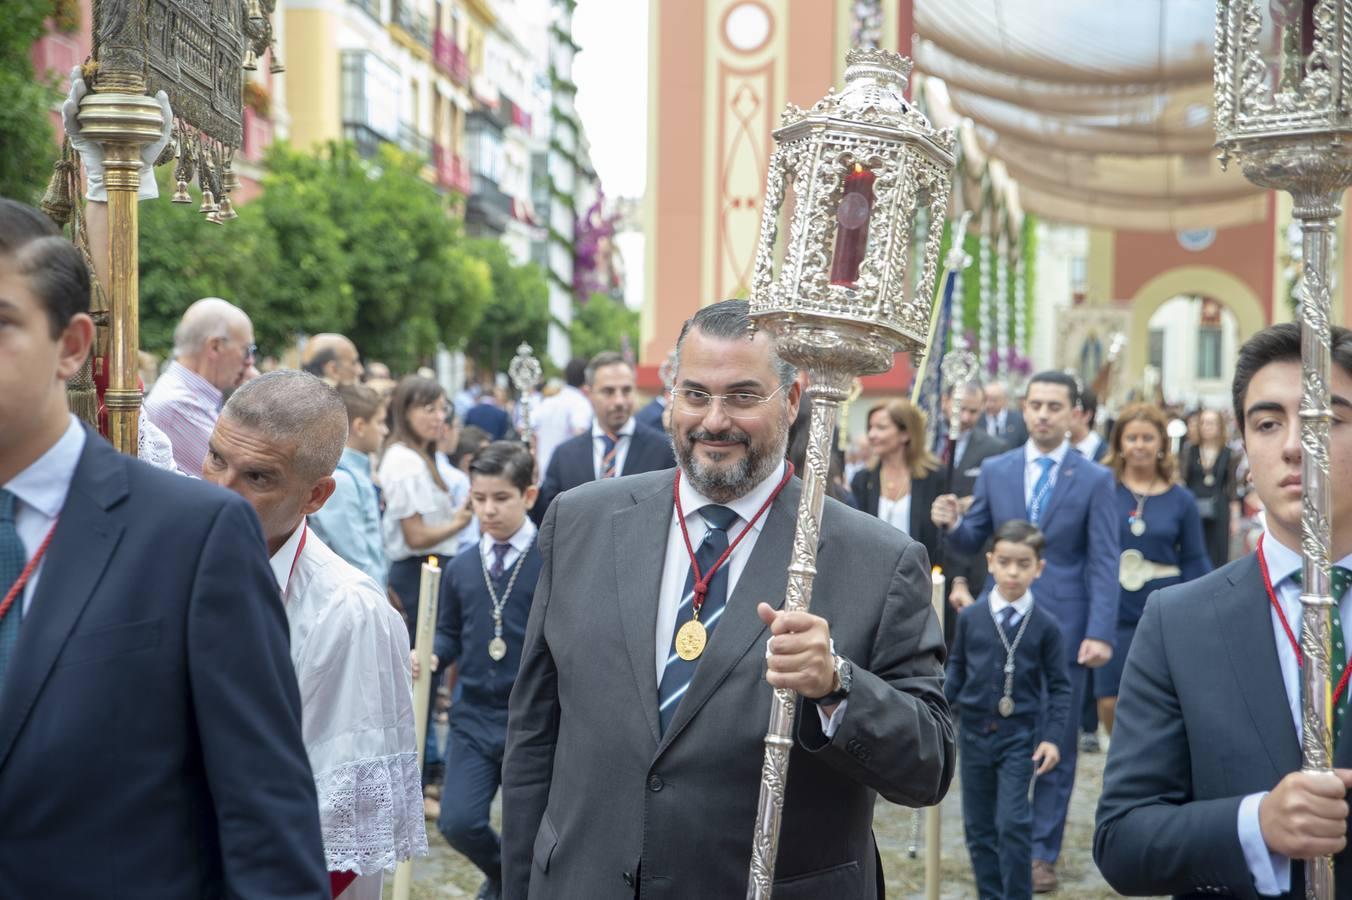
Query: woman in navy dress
pixel 1161 533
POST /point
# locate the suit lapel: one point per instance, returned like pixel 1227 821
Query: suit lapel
pixel 765 579
pixel 1065 483
pixel 81 547
pixel 1247 626
pixel 639 533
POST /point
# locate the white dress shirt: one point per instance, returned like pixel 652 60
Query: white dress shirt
pixel 408 488
pixel 519 543
pixel 560 417
pixel 996 424
pixel 350 651
pixel 185 406
pixel 41 492
pixel 1089 446
pixel 1032 471
pixel 1272 871
pixel 676 566
pixel 625 435
pixel 1021 605
pixel 896 513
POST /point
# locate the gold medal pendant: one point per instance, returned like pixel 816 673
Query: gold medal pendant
pixel 690 640
pixel 497 649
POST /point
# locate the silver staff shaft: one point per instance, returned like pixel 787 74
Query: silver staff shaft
pixel 825 401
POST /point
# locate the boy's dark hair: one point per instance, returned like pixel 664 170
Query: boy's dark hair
pixel 472 439
pixel 1280 343
pixel 54 268
pixel 1017 531
pixel 1066 381
pixel 575 373
pixel 1088 403
pixel 505 459
pixel 362 402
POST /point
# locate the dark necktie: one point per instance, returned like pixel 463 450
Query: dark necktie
pixel 499 560
pixel 1339 579
pixel 678 672
pixel 12 559
pixel 1007 616
pixel 610 449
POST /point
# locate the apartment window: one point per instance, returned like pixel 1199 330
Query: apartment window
pixel 1208 352
pixel 371 89
pixel 1155 349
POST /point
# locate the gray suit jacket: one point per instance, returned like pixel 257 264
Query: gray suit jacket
pixel 1202 721
pixel 597 804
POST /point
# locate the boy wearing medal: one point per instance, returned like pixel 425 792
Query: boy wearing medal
pixel 1007 659
pixel 481 623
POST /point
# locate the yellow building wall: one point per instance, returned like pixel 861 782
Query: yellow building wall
pixel 313 77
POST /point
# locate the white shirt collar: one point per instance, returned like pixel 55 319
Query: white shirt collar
pixel 46 482
pixel 1283 562
pixel 521 541
pixel 626 430
pixel 746 506
pixel 1089 446
pixel 1021 605
pixel 1031 452
pixel 285 558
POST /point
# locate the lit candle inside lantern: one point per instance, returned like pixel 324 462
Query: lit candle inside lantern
pixel 856 204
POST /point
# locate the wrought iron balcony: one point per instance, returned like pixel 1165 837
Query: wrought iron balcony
pixel 417 24
pixel 450 58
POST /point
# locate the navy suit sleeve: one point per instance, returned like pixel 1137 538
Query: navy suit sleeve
pixel 955 673
pixel 1194 561
pixel 532 732
pixel 1104 550
pixel 248 718
pixel 449 620
pixel 551 487
pixel 1057 679
pixel 1151 836
pixel 976 526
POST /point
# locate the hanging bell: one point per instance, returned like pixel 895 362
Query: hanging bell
pixel 254 10
pixel 181 194
pixel 208 204
pixel 276 67
pixel 250 60
pixel 56 203
pixel 227 210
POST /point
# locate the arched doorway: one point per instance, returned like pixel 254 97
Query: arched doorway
pixel 1191 343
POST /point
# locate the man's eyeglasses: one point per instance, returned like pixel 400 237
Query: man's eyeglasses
pixel 736 405
pixel 250 350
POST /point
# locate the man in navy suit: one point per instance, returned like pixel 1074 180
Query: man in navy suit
pixel 1072 500
pixel 616 444
pixel 1203 792
pixel 1000 419
pixel 142 615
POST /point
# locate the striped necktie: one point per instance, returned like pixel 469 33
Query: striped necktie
pixel 1041 489
pixel 678 672
pixel 12 559
pixel 610 449
pixel 1339 579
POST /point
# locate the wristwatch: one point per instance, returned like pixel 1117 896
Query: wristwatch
pixel 844 678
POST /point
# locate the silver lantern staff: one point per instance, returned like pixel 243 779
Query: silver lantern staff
pixel 862 164
pixel 525 373
pixel 1284 111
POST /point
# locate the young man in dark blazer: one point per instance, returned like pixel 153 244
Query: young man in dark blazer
pixel 1203 792
pixel 616 444
pixel 143 615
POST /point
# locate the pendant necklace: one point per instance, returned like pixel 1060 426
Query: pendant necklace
pixel 497 648
pixel 1006 705
pixel 1137 518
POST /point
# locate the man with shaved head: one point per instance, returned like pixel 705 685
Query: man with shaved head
pixel 213 348
pixel 333 358
pixel 276 443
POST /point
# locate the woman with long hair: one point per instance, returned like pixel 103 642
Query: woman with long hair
pixel 796 453
pixel 1161 533
pixel 1209 472
pixel 421 519
pixel 903 481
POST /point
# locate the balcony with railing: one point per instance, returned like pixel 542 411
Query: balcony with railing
pixel 450 58
pixel 370 7
pixel 415 142
pixel 488 209
pixel 452 170
pixel 418 25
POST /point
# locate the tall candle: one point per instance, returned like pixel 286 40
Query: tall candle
pixel 856 205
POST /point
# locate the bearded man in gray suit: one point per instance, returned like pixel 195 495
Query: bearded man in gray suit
pixel 633 770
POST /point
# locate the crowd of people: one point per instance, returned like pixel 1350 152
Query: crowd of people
pixel 232 615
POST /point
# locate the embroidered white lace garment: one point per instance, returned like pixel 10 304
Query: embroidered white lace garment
pixel 350 650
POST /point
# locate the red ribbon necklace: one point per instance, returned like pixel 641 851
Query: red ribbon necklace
pixel 1286 626
pixel 17 588
pixel 300 548
pixel 702 579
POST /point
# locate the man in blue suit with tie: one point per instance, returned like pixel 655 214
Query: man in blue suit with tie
pixel 1070 498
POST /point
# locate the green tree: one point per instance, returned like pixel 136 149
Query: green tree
pixel 27 143
pixel 603 323
pixel 519 310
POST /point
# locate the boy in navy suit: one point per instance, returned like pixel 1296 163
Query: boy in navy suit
pixel 481 625
pixel 1008 657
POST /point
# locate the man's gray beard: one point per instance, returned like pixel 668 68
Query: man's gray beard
pixel 724 484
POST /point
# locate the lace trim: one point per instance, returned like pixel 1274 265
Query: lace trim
pixel 371 811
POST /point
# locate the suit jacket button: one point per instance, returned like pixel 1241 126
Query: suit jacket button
pixel 629 878
pixel 654 783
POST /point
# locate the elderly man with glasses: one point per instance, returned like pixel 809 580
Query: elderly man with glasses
pixel 213 350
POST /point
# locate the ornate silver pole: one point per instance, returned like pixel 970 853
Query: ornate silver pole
pixel 863 164
pixel 525 371
pixel 1296 135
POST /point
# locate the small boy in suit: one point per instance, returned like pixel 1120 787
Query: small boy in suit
pixel 1007 663
pixel 485 600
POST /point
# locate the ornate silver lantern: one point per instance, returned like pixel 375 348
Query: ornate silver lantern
pixel 1283 89
pixel 855 172
pixel 525 372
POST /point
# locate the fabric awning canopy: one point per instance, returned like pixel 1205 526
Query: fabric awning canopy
pixel 1100 111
